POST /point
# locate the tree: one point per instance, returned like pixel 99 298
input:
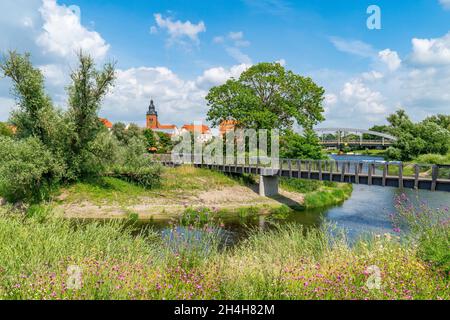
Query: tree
pixel 295 146
pixel 414 139
pixel 442 120
pixel 88 88
pixel 266 96
pixel 119 131
pixel 150 140
pixel 35 115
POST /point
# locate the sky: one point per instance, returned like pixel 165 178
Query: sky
pixel 174 51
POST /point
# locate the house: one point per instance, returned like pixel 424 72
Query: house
pixel 204 131
pixel 106 123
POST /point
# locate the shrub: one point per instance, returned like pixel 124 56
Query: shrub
pixel 147 177
pixel 433 159
pixel 28 171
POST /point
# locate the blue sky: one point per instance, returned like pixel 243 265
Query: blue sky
pixel 174 51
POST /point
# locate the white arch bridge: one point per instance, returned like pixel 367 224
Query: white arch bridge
pixel 340 137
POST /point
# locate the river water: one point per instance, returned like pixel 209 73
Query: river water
pixel 366 211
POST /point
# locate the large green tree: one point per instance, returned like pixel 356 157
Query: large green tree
pixel 267 96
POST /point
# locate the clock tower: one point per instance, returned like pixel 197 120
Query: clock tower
pixel 152 117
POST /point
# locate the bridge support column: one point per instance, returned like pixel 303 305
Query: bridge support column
pixel 268 186
pixel 268 183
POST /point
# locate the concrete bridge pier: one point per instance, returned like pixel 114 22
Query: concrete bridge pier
pixel 268 182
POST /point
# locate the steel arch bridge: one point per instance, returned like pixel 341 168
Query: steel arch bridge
pixel 385 140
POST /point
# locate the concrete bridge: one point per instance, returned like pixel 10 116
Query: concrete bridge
pixel 385 140
pixel 372 173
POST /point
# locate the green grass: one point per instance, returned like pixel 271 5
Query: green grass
pixel 184 180
pixel 318 193
pixel 38 252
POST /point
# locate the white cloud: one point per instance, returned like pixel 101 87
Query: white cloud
pixel 355 47
pixel 390 58
pixel 178 100
pixel 63 34
pixel 219 75
pixel 238 55
pixel 431 51
pixel 178 30
pixel 361 99
pixel 55 74
pixel 372 75
pixel 232 44
pixel 445 4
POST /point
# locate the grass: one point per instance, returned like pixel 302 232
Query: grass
pixel 317 193
pixel 425 169
pixel 188 181
pixel 42 257
pixel 184 180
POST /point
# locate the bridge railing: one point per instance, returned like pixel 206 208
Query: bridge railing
pixel 328 169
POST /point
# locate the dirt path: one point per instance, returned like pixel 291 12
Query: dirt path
pixel 229 198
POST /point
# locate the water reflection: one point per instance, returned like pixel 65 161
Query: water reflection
pixel 366 211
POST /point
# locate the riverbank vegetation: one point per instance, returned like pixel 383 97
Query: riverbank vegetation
pixel 39 253
pixel 430 136
pixel 51 148
pixel 186 186
pixel 318 193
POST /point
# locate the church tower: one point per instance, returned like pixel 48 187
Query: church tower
pixel 152 117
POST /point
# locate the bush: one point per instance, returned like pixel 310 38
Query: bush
pixel 28 171
pixel 147 177
pixel 433 159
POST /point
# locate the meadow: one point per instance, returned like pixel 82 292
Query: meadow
pixel 39 253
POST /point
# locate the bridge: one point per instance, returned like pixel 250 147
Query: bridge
pixel 385 140
pixel 372 173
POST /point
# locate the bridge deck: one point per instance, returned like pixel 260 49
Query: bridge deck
pixel 367 173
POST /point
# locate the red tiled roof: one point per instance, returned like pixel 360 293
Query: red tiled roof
pixel 166 126
pixel 106 122
pixel 191 128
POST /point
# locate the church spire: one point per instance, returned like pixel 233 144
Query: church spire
pixel 151 109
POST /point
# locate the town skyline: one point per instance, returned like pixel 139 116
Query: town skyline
pixel 175 52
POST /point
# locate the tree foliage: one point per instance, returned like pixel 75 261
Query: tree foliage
pixel 88 88
pixel 296 146
pixel 28 170
pixel 35 115
pixel 5 130
pixel 267 96
pixel 52 146
pixel 413 139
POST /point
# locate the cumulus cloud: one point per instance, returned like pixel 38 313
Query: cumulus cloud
pixel 179 30
pixel 390 58
pixel 431 51
pixel 176 99
pixel 420 84
pixel 219 75
pixel 63 34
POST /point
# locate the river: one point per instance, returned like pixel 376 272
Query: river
pixel 366 211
